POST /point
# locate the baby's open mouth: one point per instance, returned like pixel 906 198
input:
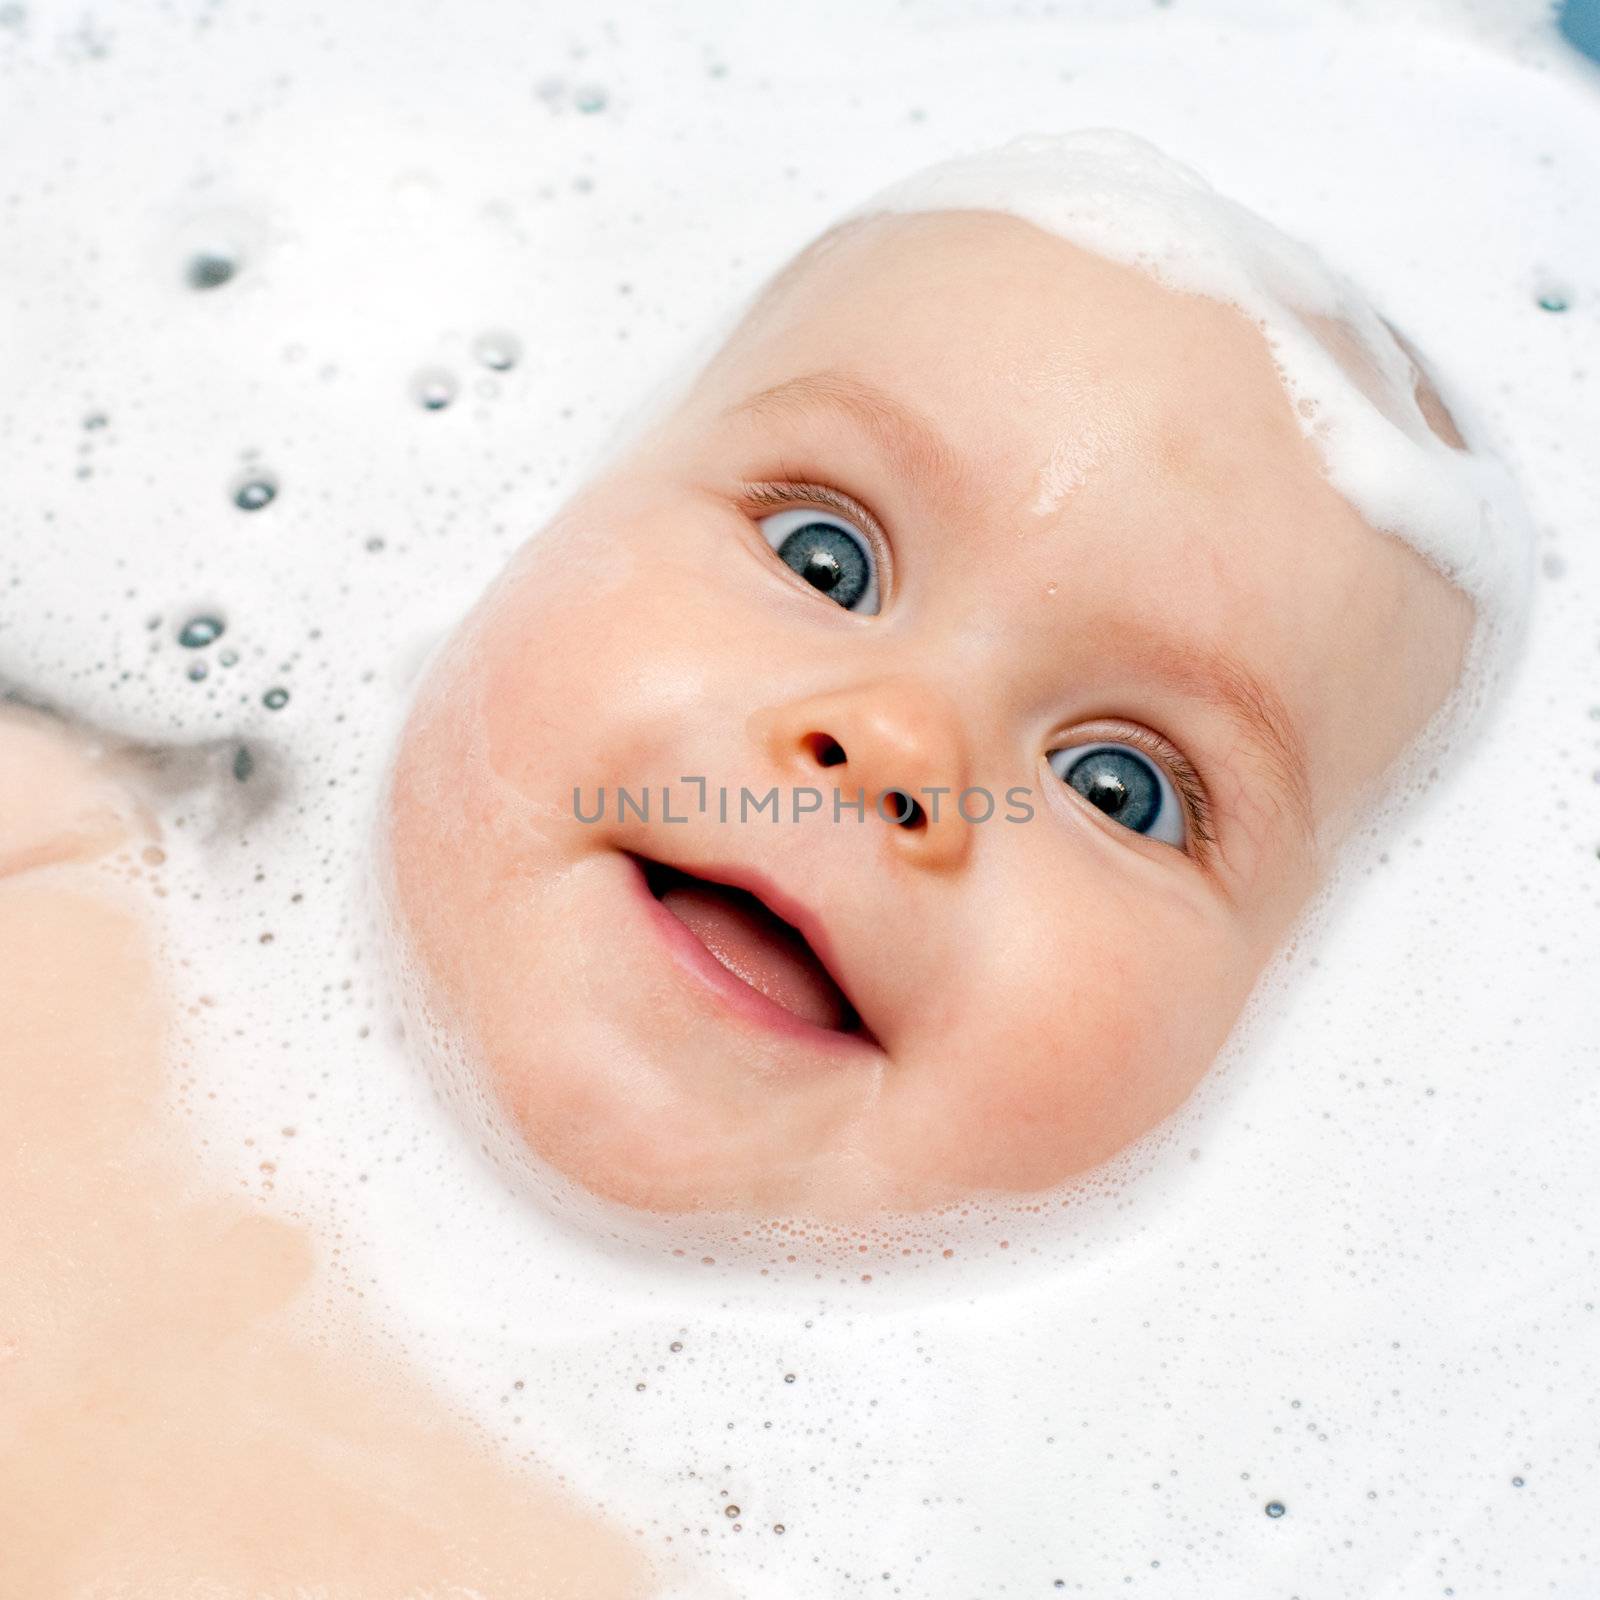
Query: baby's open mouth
pixel 753 943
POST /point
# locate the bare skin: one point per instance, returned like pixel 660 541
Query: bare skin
pixel 1090 518
pixel 166 1427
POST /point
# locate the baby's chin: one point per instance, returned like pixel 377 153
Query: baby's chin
pixel 585 1074
pixel 761 1183
pixel 567 1120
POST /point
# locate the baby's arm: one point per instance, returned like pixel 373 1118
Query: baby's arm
pixel 164 1425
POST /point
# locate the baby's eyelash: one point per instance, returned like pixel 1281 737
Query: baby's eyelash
pixel 783 496
pixel 1187 782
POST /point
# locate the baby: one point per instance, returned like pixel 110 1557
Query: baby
pixel 885 782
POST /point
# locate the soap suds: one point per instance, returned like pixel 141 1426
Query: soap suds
pixel 1355 1280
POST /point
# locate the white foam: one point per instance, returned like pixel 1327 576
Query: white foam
pixel 1371 1293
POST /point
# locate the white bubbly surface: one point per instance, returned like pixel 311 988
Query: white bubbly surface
pixel 1357 1278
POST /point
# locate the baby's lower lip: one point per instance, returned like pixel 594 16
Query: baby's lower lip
pixel 745 1001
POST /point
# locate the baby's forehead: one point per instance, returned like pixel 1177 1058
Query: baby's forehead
pixel 868 254
pixel 980 313
pixel 1018 350
pixel 1038 368
pixel 990 267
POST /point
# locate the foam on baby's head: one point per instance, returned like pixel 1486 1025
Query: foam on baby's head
pixel 1359 395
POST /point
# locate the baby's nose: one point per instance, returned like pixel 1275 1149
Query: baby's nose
pixel 896 744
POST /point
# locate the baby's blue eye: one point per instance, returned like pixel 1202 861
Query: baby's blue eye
pixel 1128 787
pixel 829 553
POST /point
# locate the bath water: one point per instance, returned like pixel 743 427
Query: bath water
pixel 313 315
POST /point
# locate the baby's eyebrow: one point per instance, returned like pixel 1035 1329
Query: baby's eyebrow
pixel 909 439
pixel 1216 675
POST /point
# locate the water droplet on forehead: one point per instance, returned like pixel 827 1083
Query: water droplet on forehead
pixel 590 98
pixel 275 699
pixel 1276 1508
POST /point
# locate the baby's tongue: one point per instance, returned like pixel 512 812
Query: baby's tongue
pixel 760 948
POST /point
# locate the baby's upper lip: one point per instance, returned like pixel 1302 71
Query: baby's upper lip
pixel 778 900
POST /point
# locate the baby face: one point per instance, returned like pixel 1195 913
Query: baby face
pixel 966 517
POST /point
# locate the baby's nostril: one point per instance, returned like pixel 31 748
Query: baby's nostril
pixel 825 750
pixel 905 811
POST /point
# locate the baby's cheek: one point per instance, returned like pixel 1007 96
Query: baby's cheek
pixel 1064 1083
pixel 1071 1072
